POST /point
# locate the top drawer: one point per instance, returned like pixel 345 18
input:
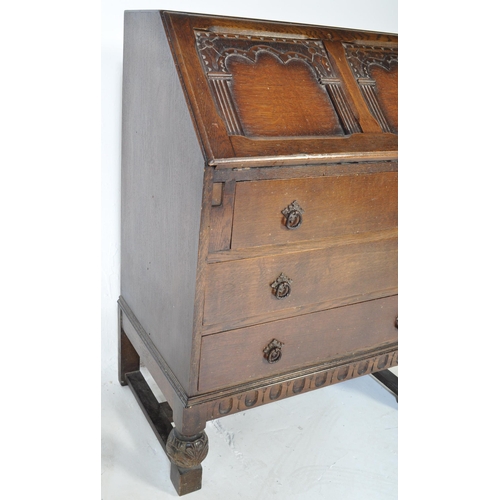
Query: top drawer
pixel 324 207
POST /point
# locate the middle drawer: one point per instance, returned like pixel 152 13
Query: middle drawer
pixel 242 292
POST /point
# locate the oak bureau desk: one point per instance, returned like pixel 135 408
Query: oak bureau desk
pixel 259 216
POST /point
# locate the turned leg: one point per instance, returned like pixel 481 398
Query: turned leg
pixel 128 359
pixel 179 430
pixel 185 451
pixel 186 454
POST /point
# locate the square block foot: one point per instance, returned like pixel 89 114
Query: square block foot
pixel 185 480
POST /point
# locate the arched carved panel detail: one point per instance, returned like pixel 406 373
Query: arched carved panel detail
pixel 216 50
pixel 365 61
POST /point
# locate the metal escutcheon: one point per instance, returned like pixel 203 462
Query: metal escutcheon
pixel 273 351
pixel 293 215
pixel 281 287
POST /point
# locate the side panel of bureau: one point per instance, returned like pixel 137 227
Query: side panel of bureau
pixel 237 356
pixel 162 182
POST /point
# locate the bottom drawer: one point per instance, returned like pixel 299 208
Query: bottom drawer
pixel 237 356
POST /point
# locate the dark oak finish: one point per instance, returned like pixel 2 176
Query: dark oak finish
pixel 301 246
pixel 188 422
pixel 221 216
pixel 332 207
pixel 302 171
pixel 259 216
pixel 308 340
pixel 251 395
pixel 366 119
pixel 219 122
pixel 374 65
pixel 359 143
pixel 185 452
pixel 128 358
pixel 242 288
pixel 162 183
pixel 280 100
pixel 388 100
pixel 159 415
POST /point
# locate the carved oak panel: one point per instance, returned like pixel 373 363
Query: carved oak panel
pixel 275 87
pixel 376 71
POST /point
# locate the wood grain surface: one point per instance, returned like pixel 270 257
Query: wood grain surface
pixel 387 82
pixel 274 99
pixel 333 206
pixel 226 122
pixel 161 193
pixel 252 96
pixel 241 289
pixel 237 356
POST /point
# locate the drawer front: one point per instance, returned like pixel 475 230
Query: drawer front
pixel 243 289
pixel 325 207
pixel 238 356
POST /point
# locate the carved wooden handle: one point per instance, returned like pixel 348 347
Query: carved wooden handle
pixel 273 351
pixel 282 287
pixel 293 215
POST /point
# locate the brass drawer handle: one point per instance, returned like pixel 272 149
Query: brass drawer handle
pixel 282 287
pixel 293 215
pixel 273 351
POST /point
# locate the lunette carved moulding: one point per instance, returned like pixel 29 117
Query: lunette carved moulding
pixel 305 383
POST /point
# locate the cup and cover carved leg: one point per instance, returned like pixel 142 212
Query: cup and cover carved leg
pixel 186 454
pixel 185 451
